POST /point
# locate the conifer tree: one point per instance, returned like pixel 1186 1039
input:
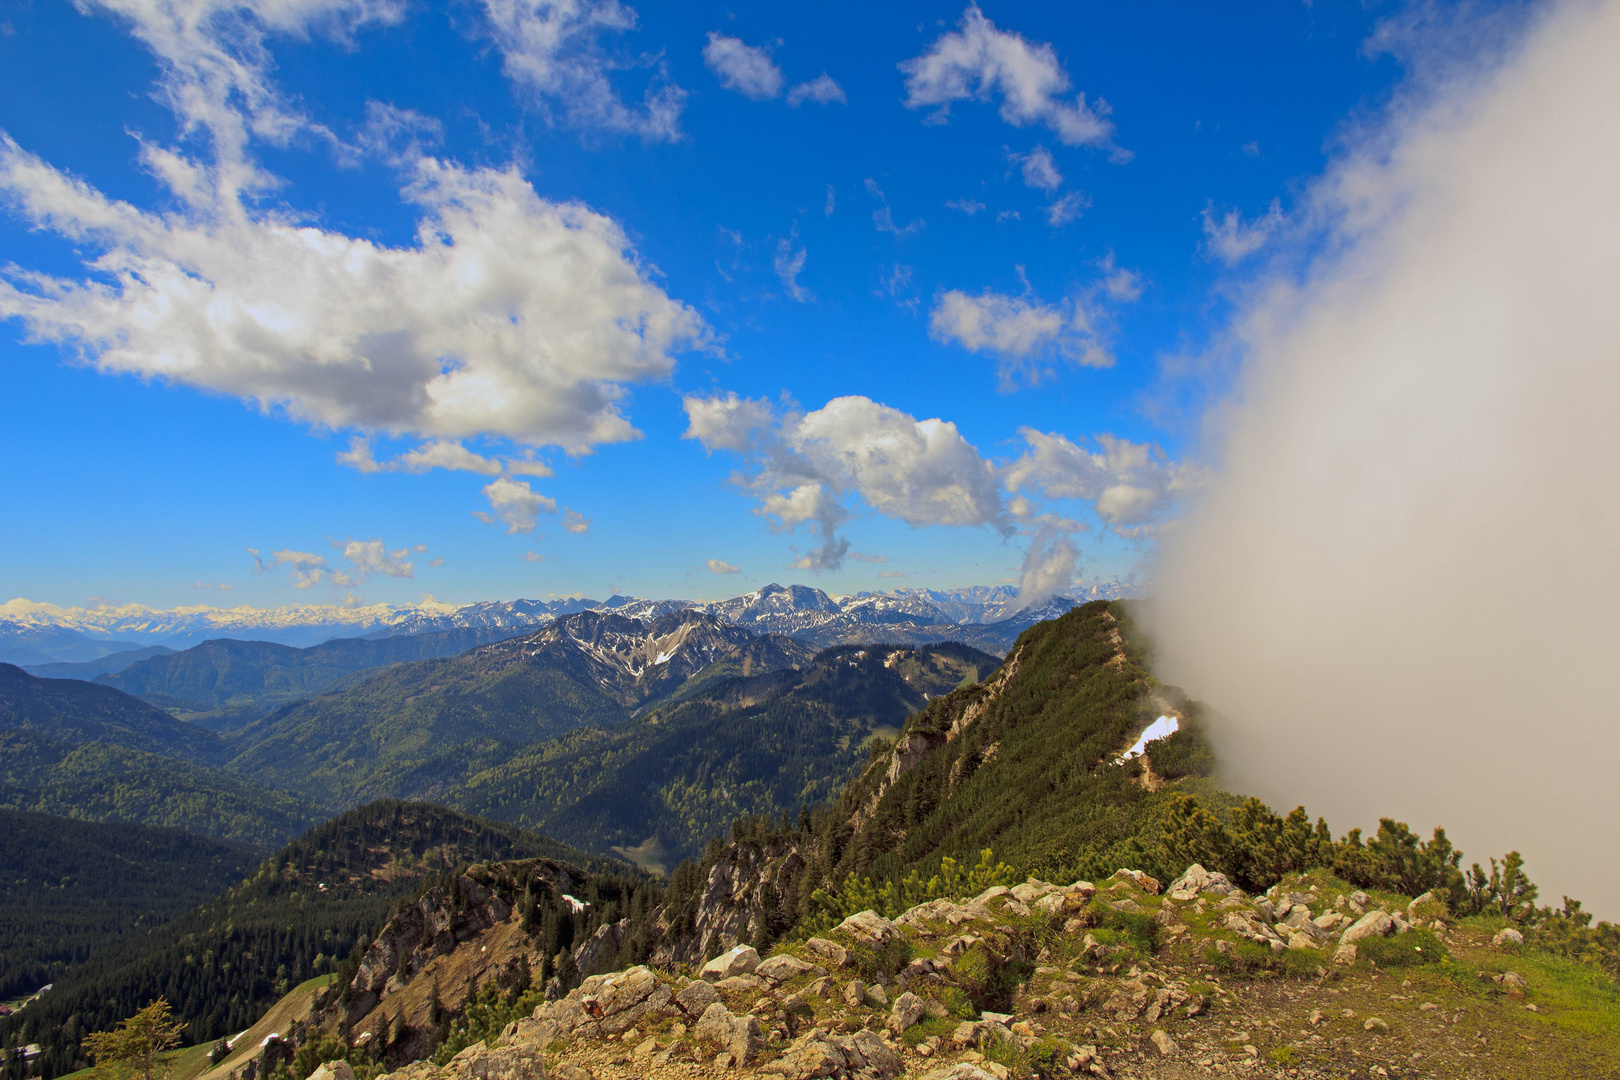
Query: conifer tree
pixel 136 1046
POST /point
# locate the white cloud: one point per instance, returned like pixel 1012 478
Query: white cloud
pixel 832 202
pixel 550 50
pixel 1039 170
pixel 822 90
pixel 967 206
pixel 893 573
pixel 788 264
pixel 804 467
pixel 1067 209
pixel 445 454
pixel 1024 334
pixel 747 69
pixel 1131 486
pixel 979 61
pixel 1231 239
pixel 371 557
pixel 397 135
pixel 515 504
pixel 527 466
pixel 305 568
pixel 720 566
pixel 512 315
pixel 575 522
pixel 533 556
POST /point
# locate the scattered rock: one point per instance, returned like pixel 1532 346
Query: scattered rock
pixel 855 994
pixel 908 1010
pixel 1149 885
pixel 741 960
pixel 817 1055
pixel 333 1070
pixel 1507 936
pixel 1374 1024
pixel 1198 880
pixel 1164 1042
pixel 1514 981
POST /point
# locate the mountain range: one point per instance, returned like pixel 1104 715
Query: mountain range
pixel 989 617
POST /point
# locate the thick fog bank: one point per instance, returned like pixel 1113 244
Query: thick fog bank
pixel 1403 584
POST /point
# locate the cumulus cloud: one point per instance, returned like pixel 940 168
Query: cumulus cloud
pixel 808 468
pixel 1231 239
pixel 1400 590
pixel 533 556
pixel 720 566
pixel 515 504
pixel 1025 334
pixel 575 522
pixel 1039 170
pixel 512 315
pixel 978 61
pixel 822 90
pixel 446 454
pixel 747 69
pixel 1130 485
pixel 364 558
pixel 552 52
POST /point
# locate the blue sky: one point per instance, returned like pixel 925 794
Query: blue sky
pixel 1018 220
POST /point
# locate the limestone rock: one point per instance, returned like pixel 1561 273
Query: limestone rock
pixel 1198 880
pixel 479 1062
pixel 741 960
pixel 818 1055
pixel 333 1070
pixel 1142 881
pixel 782 968
pixel 870 929
pixel 1507 936
pixel 1374 1024
pixel 835 953
pixel 908 1010
pixel 696 998
pixel 855 994
pixel 1346 954
pixel 1164 1042
pixel 960 1071
pixel 737 1035
pixel 1373 923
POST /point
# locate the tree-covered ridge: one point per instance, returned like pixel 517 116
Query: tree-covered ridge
pixel 262 675
pixel 776 742
pixel 299 914
pixel 70 889
pixel 78 712
pixel 99 782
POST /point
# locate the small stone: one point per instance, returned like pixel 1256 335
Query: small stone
pixel 855 994
pixel 697 997
pixel 876 997
pixel 835 953
pixel 1428 1006
pixel 1316 1017
pixel 1506 937
pixel 741 960
pixel 908 1010
pixel 1374 1024
pixel 1345 954
pixel 1164 1042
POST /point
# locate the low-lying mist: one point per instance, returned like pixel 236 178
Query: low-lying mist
pixel 1402 586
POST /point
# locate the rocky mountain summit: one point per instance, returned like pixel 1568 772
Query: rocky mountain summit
pixel 1310 979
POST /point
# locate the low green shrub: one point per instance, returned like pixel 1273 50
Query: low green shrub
pixel 1403 950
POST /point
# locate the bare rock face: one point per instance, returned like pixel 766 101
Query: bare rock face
pixel 738 960
pixel 742 893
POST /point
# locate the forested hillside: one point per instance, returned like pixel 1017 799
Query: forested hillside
pixel 416 730
pixel 78 712
pixel 298 914
pixel 666 782
pixel 72 889
pixel 244 678
pixel 97 781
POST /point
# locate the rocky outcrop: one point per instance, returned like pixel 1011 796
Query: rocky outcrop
pixel 741 899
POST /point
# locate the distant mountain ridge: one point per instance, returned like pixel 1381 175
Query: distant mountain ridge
pixel 987 616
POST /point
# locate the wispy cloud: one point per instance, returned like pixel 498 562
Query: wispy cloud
pixel 747 69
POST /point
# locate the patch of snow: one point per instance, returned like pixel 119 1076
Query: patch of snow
pixel 1163 727
pixel 576 906
pixel 662 657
